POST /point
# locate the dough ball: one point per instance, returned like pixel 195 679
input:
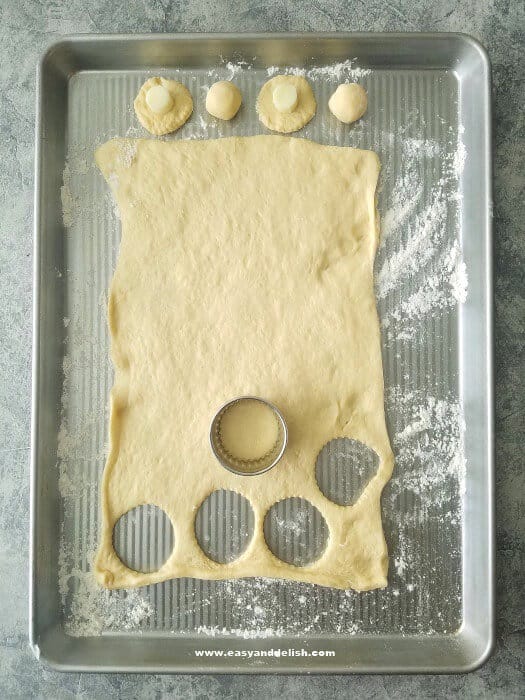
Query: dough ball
pixel 223 100
pixel 269 107
pixel 349 102
pixel 163 105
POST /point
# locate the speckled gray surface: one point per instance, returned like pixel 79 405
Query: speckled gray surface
pixel 27 26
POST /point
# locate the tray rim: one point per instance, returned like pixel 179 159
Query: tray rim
pixel 483 647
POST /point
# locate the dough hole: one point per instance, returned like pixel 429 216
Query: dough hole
pixel 343 469
pixel 143 538
pixel 295 531
pixel 224 525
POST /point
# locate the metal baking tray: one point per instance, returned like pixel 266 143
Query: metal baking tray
pixel 428 117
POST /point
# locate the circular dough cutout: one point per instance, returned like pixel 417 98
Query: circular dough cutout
pixel 343 469
pixel 349 102
pixel 179 113
pixel 224 525
pixel 143 538
pixel 295 531
pixel 285 123
pixel 223 100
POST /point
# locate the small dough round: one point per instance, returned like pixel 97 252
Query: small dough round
pixel 223 100
pixel 159 123
pixel 284 122
pixel 349 102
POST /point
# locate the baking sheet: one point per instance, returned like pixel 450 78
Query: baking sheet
pixel 428 121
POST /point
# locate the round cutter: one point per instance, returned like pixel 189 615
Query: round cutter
pixel 248 467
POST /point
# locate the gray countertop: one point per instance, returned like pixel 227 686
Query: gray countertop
pixel 27 27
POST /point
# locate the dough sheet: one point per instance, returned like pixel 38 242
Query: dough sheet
pixel 245 268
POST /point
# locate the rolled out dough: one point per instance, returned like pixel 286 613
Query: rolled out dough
pixel 245 268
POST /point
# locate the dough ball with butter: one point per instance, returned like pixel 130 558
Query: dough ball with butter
pixel 286 103
pixel 223 100
pixel 349 102
pixel 163 106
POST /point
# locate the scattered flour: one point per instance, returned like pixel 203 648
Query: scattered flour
pixel 429 447
pixel 89 609
pixel 234 69
pixel 334 72
pixel 437 292
pixel 460 155
pixel 93 610
pixel 400 565
pixel 458 279
pixel 127 153
pixel 419 254
pixel 244 633
pixel 425 234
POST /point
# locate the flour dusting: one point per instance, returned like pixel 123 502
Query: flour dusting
pixel 333 72
pixel 419 253
pixel 429 447
pixel 90 610
pixel 94 610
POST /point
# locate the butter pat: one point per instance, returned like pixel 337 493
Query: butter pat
pixel 159 99
pixel 285 98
